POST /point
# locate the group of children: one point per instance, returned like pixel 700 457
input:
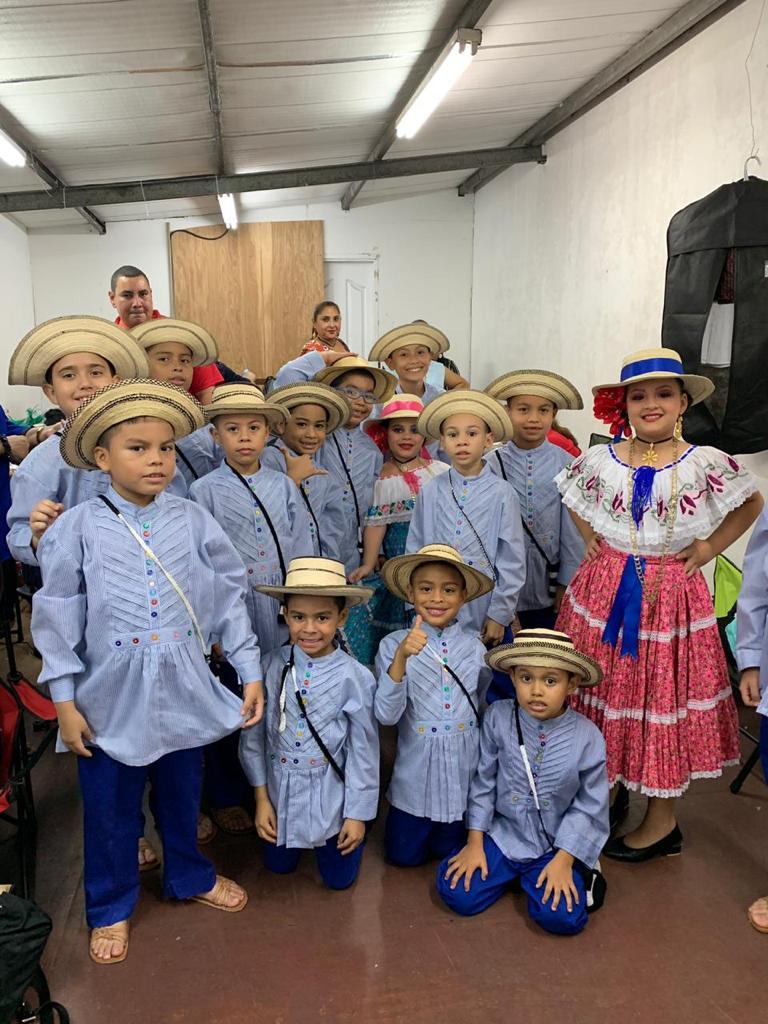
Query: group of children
pixel 246 591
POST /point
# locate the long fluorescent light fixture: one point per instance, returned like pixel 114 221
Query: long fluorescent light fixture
pixel 228 210
pixel 10 153
pixel 444 74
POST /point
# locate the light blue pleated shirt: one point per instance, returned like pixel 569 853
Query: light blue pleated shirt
pixel 226 498
pixel 567 756
pixel 532 473
pixel 309 798
pixel 116 637
pixel 45 475
pixel 448 508
pixel 438 736
pixel 202 453
pixel 321 496
pixel 752 608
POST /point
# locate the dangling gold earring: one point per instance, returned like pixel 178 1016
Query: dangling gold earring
pixel 678 431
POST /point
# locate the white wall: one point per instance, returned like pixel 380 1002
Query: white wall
pixel 423 245
pixel 18 313
pixel 569 257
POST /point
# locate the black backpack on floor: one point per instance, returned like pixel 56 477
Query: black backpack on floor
pixel 24 931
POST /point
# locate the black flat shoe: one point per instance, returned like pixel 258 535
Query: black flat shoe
pixel 670 846
pixel 619 809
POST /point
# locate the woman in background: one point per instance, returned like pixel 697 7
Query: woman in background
pixel 326 329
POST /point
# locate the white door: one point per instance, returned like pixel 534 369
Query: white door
pixel 351 283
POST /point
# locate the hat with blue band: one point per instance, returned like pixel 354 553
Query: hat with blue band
pixel 658 364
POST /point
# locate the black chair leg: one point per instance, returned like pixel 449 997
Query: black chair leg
pixel 749 764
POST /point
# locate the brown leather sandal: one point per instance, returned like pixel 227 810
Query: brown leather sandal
pixel 759 907
pixel 217 898
pixel 147 865
pixel 111 934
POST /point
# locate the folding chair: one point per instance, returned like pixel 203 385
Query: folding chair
pixel 727 587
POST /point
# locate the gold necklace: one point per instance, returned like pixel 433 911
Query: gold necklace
pixel 650 455
pixel 651 594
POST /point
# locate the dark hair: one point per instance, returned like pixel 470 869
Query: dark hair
pixel 348 373
pixel 49 371
pixel 340 602
pixel 321 306
pixel 104 439
pixel 126 271
pixel 53 416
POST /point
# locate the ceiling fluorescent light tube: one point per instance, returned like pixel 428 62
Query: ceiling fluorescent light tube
pixel 445 73
pixel 10 153
pixel 228 210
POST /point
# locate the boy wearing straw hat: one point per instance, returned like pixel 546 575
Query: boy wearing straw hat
pixel 538 804
pixel 70 358
pixel 137 582
pixel 408 351
pixel 174 349
pixel 471 508
pixel 314 759
pixel 314 411
pixel 431 681
pixel 553 545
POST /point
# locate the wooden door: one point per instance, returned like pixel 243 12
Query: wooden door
pixel 253 288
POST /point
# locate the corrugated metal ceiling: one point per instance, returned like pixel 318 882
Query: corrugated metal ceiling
pixel 115 90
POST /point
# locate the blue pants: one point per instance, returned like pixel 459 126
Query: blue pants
pixel 501 873
pixel 113 821
pixel 410 841
pixel 501 687
pixel 337 872
pixel 225 781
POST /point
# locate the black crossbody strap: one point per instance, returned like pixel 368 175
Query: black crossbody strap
pixel 497 453
pixel 526 527
pixel 463 689
pixel 270 524
pixel 472 528
pixel 311 511
pixel 187 463
pixel 303 711
pixel 345 467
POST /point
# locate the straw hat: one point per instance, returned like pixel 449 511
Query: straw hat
pixel 123 401
pixel 656 364
pixel 45 344
pixel 200 342
pixel 545 648
pixel 399 407
pixel 384 383
pixel 318 577
pixel 311 393
pixel 397 572
pixel 409 334
pixel 477 403
pixel 246 400
pixel 542 383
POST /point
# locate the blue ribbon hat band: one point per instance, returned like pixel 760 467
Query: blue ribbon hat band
pixel 643 366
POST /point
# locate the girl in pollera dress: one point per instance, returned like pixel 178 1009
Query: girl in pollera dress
pixel 653 510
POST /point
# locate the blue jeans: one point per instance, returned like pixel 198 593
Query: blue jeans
pixel 501 873
pixel 113 821
pixel 410 841
pixel 336 871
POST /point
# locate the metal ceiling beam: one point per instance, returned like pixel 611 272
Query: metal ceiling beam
pixel 469 17
pixel 53 181
pixel 214 96
pixel 209 185
pixel 689 20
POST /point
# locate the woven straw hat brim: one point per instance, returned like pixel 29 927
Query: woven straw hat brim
pixel 384 383
pixel 198 340
pixel 313 393
pixel 117 403
pixel 475 403
pixel 397 572
pixel 50 341
pixel 542 383
pixel 244 400
pixel 698 387
pixel 353 594
pixel 543 654
pixel 408 334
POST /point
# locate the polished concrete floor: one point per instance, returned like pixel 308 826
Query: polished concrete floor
pixel 671 946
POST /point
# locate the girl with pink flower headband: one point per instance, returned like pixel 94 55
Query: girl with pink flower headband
pixel 407 466
pixel 652 510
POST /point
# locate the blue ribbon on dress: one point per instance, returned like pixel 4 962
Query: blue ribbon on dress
pixel 626 609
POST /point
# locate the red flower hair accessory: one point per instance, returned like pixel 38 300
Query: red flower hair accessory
pixel 610 407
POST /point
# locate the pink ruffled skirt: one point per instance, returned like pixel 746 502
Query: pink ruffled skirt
pixel 667 716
